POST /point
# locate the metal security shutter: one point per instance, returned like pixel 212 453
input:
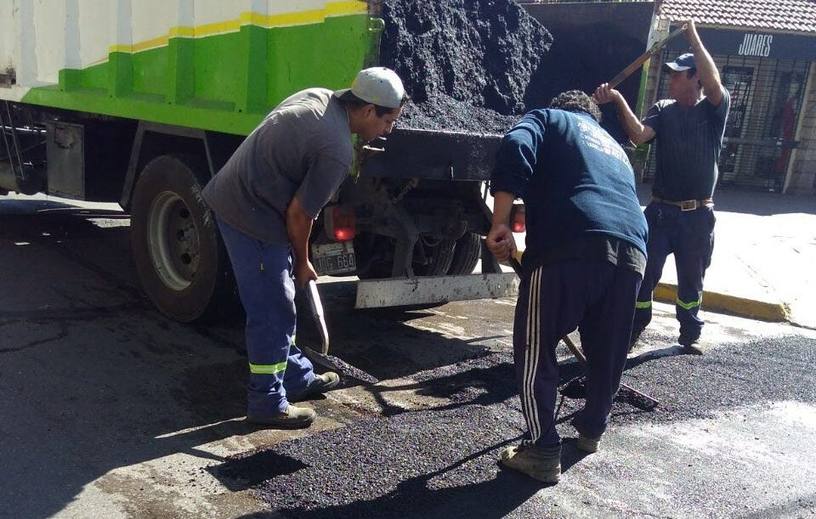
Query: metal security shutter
pixel 766 96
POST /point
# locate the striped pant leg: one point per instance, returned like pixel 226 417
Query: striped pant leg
pixel 692 257
pixel 547 309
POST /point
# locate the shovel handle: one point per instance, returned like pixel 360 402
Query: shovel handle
pixel 640 60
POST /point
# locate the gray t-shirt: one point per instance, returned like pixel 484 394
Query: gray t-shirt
pixel 689 141
pixel 303 147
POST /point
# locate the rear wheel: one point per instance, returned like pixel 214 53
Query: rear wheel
pixel 180 260
pixel 438 257
pixel 377 254
pixel 466 254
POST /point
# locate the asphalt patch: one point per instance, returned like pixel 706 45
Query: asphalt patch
pixel 432 463
pixel 415 465
pixel 691 386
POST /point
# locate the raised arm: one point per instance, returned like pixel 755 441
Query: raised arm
pixel 706 69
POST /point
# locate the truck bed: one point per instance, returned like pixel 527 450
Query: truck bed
pixel 433 155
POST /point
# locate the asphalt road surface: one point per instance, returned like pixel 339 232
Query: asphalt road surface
pixel 107 409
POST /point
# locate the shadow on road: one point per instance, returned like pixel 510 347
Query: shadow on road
pixel 95 383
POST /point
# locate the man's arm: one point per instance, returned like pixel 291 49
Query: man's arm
pixel 637 132
pixel 299 228
pixel 706 69
pixel 500 240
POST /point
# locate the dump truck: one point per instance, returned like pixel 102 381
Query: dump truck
pixel 140 103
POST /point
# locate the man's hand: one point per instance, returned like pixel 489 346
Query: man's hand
pixel 500 241
pixel 304 272
pixel 691 32
pixel 603 94
pixel 635 130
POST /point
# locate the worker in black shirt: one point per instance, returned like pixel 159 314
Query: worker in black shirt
pixel 585 255
pixel 688 129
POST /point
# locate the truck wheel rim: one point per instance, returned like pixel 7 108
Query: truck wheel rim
pixel 173 241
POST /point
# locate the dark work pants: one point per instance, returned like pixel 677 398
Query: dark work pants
pixel 596 297
pixel 689 235
pixel 264 276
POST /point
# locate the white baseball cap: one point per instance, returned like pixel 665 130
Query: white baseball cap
pixel 380 86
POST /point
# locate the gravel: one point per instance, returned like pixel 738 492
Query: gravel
pixel 467 64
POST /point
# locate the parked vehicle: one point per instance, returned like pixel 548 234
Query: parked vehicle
pixel 140 103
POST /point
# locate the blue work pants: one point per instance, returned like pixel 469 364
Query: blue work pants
pixel 263 272
pixel 689 235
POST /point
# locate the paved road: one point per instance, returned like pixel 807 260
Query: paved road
pixel 110 410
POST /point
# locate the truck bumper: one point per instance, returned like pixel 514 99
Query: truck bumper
pixel 378 293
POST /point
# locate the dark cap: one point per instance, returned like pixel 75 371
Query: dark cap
pixel 681 63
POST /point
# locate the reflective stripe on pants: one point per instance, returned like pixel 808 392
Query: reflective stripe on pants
pixel 689 235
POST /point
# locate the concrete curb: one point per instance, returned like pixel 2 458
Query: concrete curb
pixel 739 306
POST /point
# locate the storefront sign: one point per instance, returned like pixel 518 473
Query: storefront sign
pixel 753 44
pixel 756 45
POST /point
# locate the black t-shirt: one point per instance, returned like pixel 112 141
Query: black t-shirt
pixel 689 140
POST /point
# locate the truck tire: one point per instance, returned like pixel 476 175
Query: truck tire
pixel 466 254
pixel 439 256
pixel 180 260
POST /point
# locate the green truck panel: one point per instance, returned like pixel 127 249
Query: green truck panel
pixel 224 82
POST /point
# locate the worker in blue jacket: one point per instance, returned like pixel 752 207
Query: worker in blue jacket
pixel 582 267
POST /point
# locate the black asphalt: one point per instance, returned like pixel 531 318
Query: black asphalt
pixel 442 462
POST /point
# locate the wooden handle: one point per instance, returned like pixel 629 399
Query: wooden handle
pixel 640 60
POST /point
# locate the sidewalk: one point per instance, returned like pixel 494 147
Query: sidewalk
pixel 764 263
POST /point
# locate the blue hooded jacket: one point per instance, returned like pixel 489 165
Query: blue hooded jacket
pixel 575 180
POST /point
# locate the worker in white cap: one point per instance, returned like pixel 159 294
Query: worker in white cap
pixel 265 199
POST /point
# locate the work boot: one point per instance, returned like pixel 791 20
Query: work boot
pixel 321 383
pixel 691 346
pixel 292 418
pixel 541 463
pixel 587 443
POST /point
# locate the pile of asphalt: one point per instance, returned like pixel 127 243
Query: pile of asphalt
pixel 467 64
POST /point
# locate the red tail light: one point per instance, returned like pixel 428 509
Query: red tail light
pixel 342 225
pixel 518 219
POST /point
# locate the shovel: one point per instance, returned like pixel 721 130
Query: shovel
pixel 322 358
pixel 640 60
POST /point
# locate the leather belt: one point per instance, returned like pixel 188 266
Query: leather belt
pixel 686 205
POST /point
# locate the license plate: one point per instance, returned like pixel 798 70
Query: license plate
pixel 334 258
